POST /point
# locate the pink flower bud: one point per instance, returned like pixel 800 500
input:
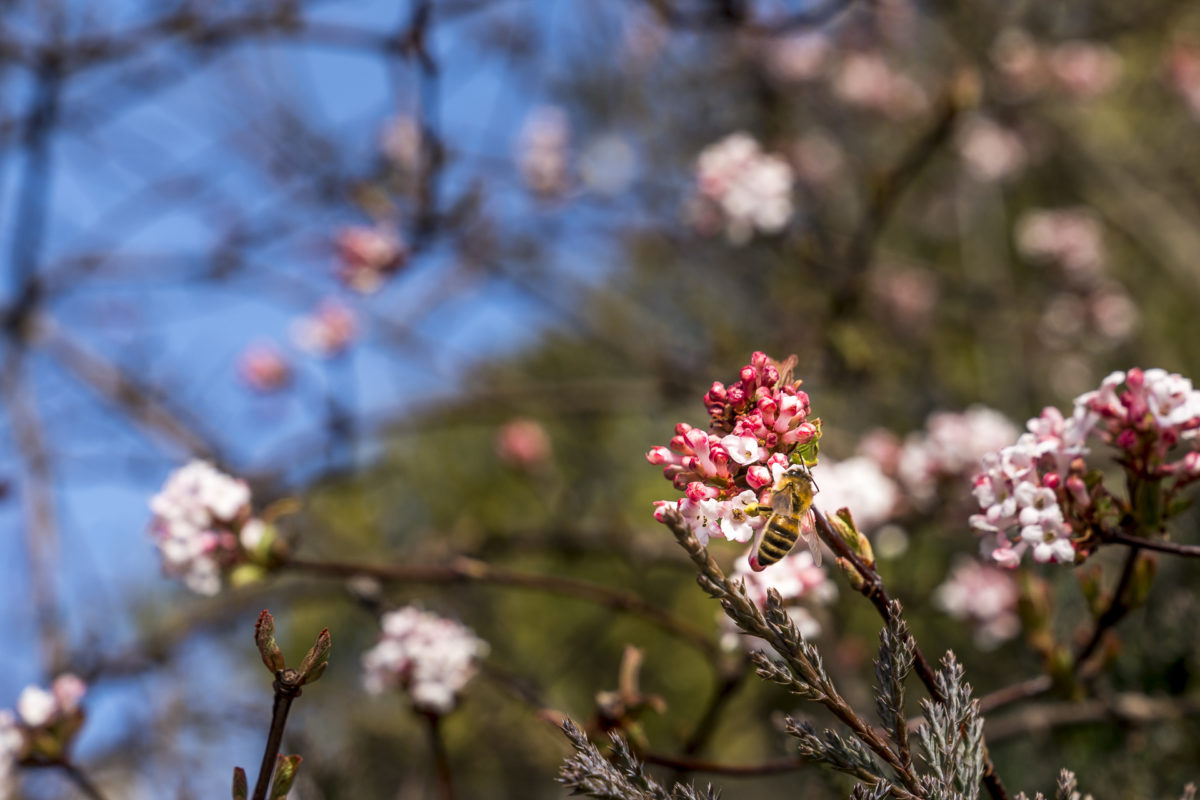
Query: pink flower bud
pixel 661 507
pixel 697 491
pixel 717 393
pixel 770 375
pixel 1126 439
pixel 758 476
pixel 1078 491
pixel 660 455
pixel 749 376
pixel 737 394
pixel 682 428
pixel 1051 480
pixel 759 359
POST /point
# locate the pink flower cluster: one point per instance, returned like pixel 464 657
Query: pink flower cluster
pixel 756 423
pixel 1017 489
pixel 428 657
pixel 42 727
pixel 203 525
pixel 367 256
pixel 983 596
pixel 1156 411
pixel 742 188
pixel 1036 487
pixel 800 583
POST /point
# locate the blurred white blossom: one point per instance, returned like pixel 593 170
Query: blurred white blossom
pixel 742 189
pixel 428 657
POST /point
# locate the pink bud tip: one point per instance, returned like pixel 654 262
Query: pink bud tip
pixel 754 565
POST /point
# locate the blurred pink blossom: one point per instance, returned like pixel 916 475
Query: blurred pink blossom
pixel 983 596
pixel 867 80
pixel 367 256
pixel 991 152
pixel 1183 72
pixel 800 57
pixel 328 331
pixel 1069 237
pixel 1085 69
pixel 523 443
pixel 264 367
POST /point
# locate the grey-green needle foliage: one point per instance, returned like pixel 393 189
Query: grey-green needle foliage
pixel 623 778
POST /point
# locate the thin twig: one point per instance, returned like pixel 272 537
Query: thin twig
pixel 464 570
pixel 441 761
pixel 1158 545
pixel 81 780
pixel 285 693
pixel 1116 611
pixel 686 764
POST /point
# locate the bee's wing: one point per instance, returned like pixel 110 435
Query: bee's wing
pixel 808 532
pixel 782 502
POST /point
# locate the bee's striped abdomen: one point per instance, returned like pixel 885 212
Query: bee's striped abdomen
pixel 777 540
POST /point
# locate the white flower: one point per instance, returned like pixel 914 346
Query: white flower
pixel 36 706
pixel 703 517
pixel 736 524
pixel 742 449
pixel 429 657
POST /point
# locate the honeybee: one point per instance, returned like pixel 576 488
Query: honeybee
pixel 791 518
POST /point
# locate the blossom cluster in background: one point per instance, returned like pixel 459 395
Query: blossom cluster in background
pixel 204 527
pixel 428 657
pixel 983 596
pixel 756 422
pixel 742 189
pixel 801 584
pixel 948 449
pixel 1033 495
pixel 40 727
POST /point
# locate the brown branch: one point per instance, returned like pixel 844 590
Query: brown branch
pixel 1157 545
pixel 123 390
pixel 888 190
pixel 463 570
pixel 1118 607
pixel 1128 708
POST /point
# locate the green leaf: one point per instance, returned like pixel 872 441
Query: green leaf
pixel 264 637
pixel 240 789
pixel 316 659
pixel 285 775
